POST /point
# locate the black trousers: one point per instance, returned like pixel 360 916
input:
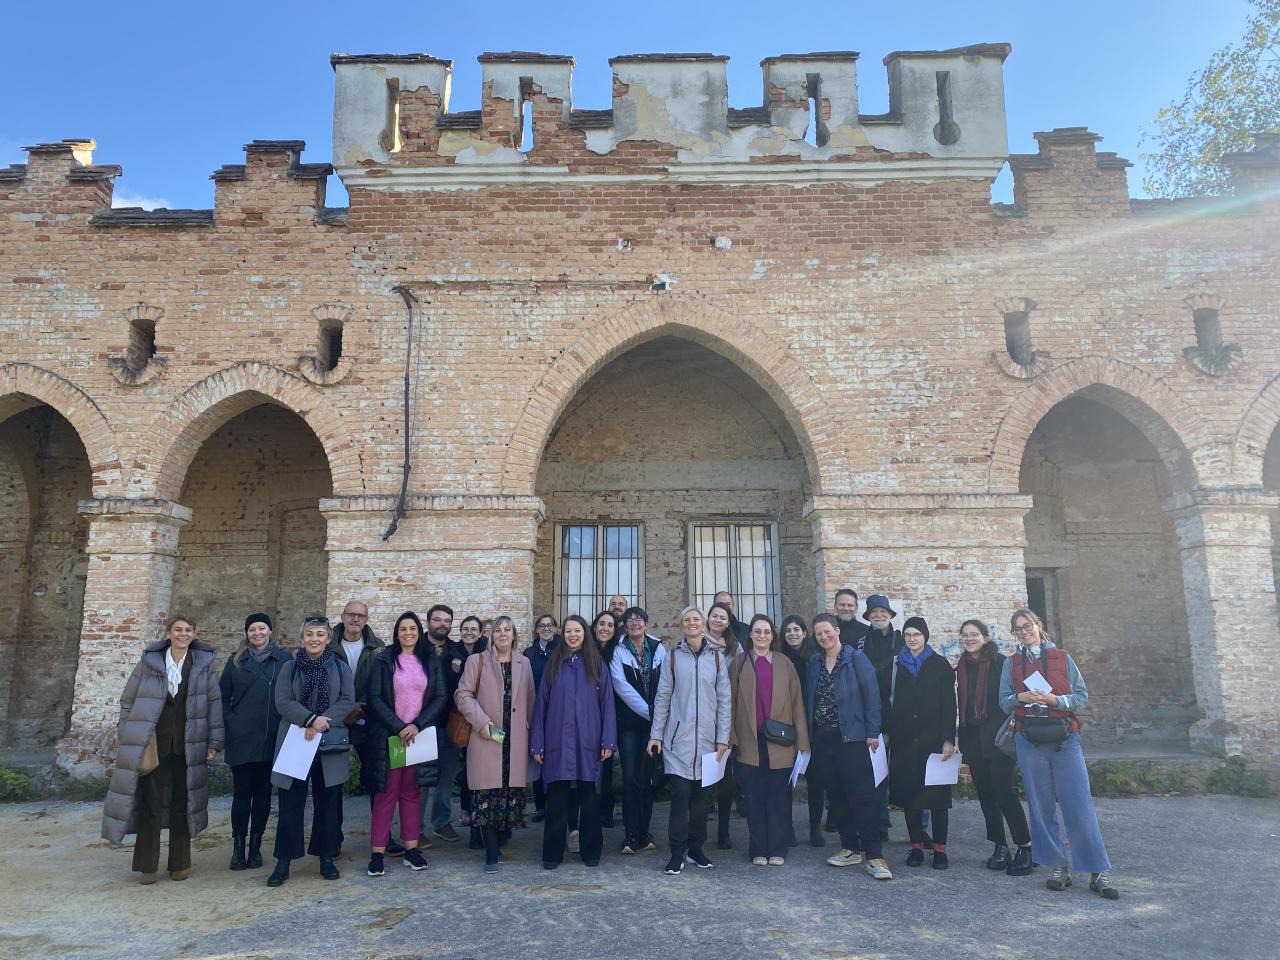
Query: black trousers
pixel 251 800
pixel 768 805
pixel 817 796
pixel 641 777
pixel 539 796
pixel 555 830
pixel 165 786
pixel 326 814
pixel 690 804
pixel 606 797
pixel 844 770
pixel 938 822
pixel 993 778
pixel 725 791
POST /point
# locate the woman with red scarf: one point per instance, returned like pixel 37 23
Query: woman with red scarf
pixel 978 691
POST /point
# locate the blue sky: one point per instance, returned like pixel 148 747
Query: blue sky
pixel 173 90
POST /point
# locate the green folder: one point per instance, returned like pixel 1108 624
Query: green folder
pixel 395 752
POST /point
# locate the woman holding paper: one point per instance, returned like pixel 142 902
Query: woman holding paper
pixel 721 637
pixel 691 719
pixel 314 693
pixel 1042 687
pixel 978 691
pixel 842 706
pixel 574 732
pixel 496 695
pixel 407 691
pixel 769 728
pixel 920 691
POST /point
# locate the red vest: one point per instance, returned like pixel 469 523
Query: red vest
pixel 1053 667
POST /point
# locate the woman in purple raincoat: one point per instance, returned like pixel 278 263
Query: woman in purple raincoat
pixel 574 732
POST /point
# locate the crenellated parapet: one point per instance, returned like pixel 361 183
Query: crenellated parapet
pixel 1068 176
pixel 670 120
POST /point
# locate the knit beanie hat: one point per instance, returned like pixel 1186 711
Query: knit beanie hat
pixel 253 618
pixel 918 623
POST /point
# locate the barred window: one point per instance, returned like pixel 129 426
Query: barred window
pixel 741 558
pixel 594 561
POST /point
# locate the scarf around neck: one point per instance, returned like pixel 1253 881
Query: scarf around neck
pixel 912 664
pixel 315 679
pixel 977 711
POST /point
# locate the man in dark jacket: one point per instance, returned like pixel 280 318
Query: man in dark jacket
pixel 846 606
pixel 881 643
pixel 355 642
pixel 439 806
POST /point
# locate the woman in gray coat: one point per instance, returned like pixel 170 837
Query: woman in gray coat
pixel 170 728
pixel 315 691
pixel 691 716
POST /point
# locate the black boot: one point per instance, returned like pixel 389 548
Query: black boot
pixel 999 859
pixel 255 851
pixel 328 869
pixel 1021 865
pixel 279 875
pixel 237 852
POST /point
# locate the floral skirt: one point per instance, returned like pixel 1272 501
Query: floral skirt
pixel 499 809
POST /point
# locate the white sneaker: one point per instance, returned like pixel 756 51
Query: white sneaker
pixel 878 869
pixel 845 858
pixel 573 841
pixel 776 861
pixel 759 861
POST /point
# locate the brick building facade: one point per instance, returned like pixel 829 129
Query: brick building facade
pixel 654 348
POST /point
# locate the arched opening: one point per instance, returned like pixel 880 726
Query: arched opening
pixel 1103 568
pixel 44 474
pixel 672 474
pixel 1271 483
pixel 256 540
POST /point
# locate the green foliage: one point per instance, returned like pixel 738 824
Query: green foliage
pixel 16 786
pixel 353 787
pixel 1130 778
pixel 1235 778
pixel 1235 96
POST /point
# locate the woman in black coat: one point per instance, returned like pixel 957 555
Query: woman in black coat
pixel 248 686
pixel 799 646
pixel 978 691
pixel 920 690
pixel 410 655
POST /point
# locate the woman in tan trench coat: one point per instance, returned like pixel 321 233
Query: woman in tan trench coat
pixel 495 695
pixel 173 696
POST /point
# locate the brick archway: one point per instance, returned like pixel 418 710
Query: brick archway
pixel 193 417
pixel 691 318
pixel 1180 437
pixel 23 385
pixel 1254 433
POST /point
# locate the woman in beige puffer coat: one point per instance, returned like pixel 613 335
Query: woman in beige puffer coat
pixel 188 729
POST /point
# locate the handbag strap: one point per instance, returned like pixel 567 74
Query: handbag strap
pixel 893 682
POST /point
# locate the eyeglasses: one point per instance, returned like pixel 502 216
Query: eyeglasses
pixel 636 620
pixel 1025 629
pixel 547 625
pixel 315 621
pixel 356 616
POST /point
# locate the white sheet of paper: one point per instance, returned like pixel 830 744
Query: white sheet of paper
pixel 1037 683
pixel 424 748
pixel 296 753
pixel 880 761
pixel 800 766
pixel 938 772
pixel 713 770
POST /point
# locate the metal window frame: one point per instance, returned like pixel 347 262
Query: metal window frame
pixel 735 556
pixel 559 597
pixel 1052 596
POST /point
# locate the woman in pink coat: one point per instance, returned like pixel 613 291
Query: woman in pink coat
pixel 496 695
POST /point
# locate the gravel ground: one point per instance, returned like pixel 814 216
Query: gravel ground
pixel 1196 874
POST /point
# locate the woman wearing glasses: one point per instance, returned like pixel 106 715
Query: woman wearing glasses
pixel 1042 687
pixel 315 691
pixel 635 662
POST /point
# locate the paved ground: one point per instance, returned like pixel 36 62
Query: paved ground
pixel 1198 876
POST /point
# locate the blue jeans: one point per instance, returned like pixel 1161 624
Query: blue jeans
pixel 1058 778
pixel 440 808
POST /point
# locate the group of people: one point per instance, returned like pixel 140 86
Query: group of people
pixel 751 698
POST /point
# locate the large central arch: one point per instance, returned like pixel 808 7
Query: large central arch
pixel 692 318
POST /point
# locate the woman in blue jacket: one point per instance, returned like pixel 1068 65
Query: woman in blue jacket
pixel 842 701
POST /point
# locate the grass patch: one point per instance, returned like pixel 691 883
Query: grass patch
pixel 1131 778
pixel 16 786
pixel 1235 779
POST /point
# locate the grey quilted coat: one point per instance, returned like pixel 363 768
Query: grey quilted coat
pixel 694 707
pixel 140 705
